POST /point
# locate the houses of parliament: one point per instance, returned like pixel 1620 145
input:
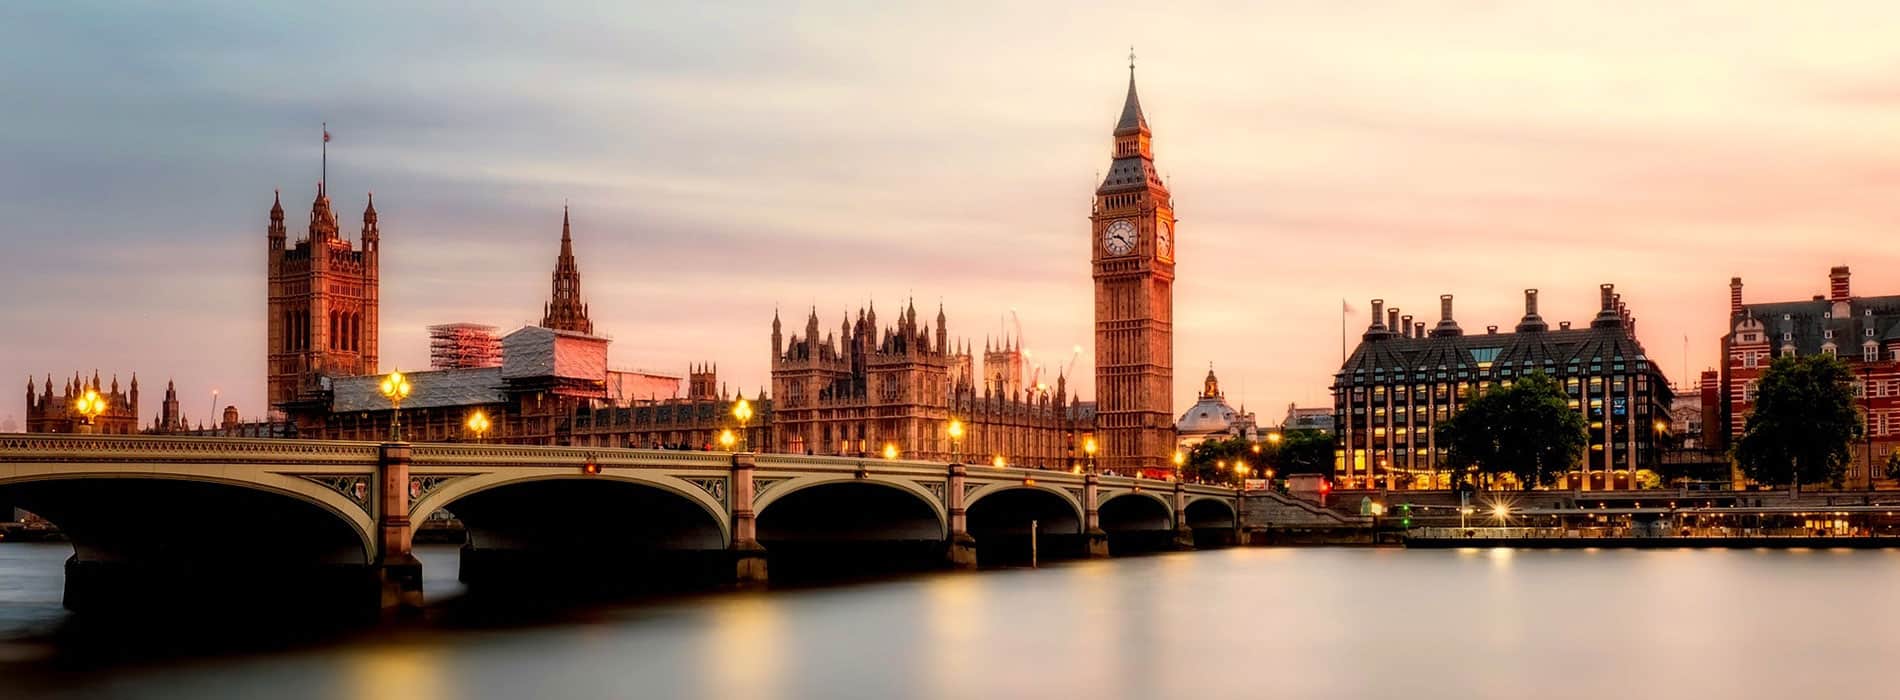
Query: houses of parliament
pixel 871 388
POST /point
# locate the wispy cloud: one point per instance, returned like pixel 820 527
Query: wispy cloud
pixel 724 161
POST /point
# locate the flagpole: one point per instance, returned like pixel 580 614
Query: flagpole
pixel 1342 332
pixel 323 178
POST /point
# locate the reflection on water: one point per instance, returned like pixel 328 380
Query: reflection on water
pixel 1322 623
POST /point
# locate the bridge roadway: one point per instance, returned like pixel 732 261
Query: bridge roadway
pixel 155 519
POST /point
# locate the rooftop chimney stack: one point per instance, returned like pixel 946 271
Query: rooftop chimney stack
pixel 1837 289
pixel 1734 296
pixel 1418 331
pixel 1446 326
pixel 1392 319
pixel 1531 321
pixel 1378 314
pixel 1405 325
pixel 1607 316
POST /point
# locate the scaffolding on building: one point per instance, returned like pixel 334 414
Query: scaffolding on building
pixel 463 346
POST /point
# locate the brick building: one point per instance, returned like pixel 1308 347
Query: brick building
pixel 1863 331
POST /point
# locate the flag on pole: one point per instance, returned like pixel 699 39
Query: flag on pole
pixel 326 135
pixel 1345 307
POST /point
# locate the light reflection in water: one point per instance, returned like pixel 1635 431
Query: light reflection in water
pixel 400 671
pixel 742 651
pixel 1280 623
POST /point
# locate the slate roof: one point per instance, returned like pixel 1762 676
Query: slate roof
pixel 1453 357
pixel 1805 323
pixel 428 389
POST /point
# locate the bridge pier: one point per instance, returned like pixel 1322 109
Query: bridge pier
pixel 1183 533
pixel 748 556
pixel 398 572
pixel 1094 538
pixel 960 550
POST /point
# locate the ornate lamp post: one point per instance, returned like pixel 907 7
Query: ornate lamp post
pixel 956 437
pixel 478 424
pixel 1274 437
pixel 1088 447
pixel 998 462
pixel 1240 474
pixel 742 410
pixel 395 387
pixel 890 450
pixel 726 439
pixel 1180 460
pixel 90 405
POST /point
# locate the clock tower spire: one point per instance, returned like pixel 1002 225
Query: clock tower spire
pixel 1132 244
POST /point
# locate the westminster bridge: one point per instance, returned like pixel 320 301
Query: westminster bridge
pixel 156 519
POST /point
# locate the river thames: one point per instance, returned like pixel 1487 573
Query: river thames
pixel 1279 623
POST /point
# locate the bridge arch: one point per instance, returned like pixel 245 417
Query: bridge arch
pixel 1057 511
pixel 780 491
pixel 1136 510
pixel 459 488
pixel 42 485
pixel 1205 512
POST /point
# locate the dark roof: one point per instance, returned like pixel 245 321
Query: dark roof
pixel 1509 354
pixel 429 389
pixel 1806 323
pixel 1132 117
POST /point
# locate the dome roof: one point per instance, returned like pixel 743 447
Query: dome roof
pixel 1211 414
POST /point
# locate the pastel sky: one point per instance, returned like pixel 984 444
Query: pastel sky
pixel 727 159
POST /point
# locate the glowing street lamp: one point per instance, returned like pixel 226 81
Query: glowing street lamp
pixel 956 435
pixel 90 405
pixel 742 411
pixel 1088 447
pixel 998 462
pixel 890 450
pixel 478 424
pixel 1274 437
pixel 1180 460
pixel 395 387
pixel 726 439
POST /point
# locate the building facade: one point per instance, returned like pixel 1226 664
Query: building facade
pixel 544 385
pixel 1307 418
pixel 1863 331
pixel 1402 381
pixel 47 412
pixel 322 308
pixel 869 388
pixel 1211 418
pixel 1132 242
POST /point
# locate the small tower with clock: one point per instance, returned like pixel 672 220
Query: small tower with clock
pixel 1132 246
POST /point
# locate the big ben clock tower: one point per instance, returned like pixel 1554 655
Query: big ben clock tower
pixel 1132 239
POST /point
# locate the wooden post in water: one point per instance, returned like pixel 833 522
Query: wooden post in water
pixel 1032 544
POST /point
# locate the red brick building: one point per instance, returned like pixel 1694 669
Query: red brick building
pixel 1863 331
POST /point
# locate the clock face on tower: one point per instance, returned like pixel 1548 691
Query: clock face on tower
pixel 1164 240
pixel 1119 237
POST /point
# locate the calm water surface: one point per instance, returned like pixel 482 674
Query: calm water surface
pixel 1266 623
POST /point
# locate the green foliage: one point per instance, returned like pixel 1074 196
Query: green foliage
pixel 1305 452
pixel 1893 465
pixel 1803 422
pixel 1297 452
pixel 1527 429
pixel 1212 461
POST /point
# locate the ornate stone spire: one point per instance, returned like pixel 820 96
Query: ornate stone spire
pixel 565 311
pixel 1132 119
